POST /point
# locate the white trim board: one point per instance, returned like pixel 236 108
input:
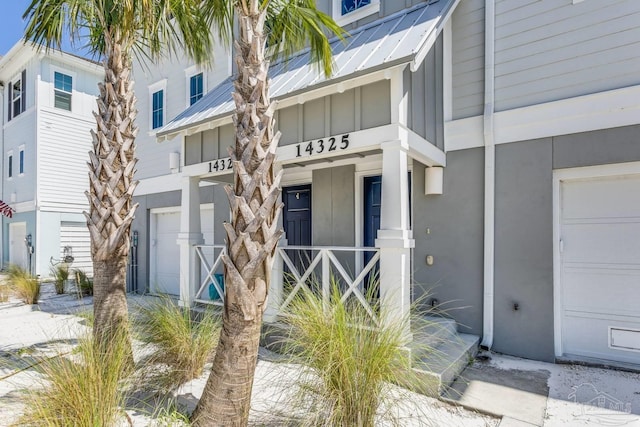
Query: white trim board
pixel 572 174
pixel 603 110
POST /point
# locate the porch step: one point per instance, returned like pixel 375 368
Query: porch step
pixel 438 366
pixel 434 330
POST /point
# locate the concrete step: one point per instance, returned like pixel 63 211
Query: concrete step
pixel 433 331
pixel 439 366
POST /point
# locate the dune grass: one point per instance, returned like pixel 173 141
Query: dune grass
pixel 351 358
pixel 60 275
pixel 181 339
pixel 84 388
pixel 24 285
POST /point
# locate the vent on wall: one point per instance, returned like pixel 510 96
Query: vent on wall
pixel 624 339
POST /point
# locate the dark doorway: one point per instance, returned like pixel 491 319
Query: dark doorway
pixel 297 223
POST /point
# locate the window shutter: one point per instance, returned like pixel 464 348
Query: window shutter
pixel 9 96
pixel 24 91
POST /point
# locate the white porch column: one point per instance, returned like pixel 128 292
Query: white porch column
pixel 395 238
pixel 190 235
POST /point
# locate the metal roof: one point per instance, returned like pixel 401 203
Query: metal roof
pixel 399 38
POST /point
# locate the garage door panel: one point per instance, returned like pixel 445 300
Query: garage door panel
pixel 601 198
pixel 602 291
pixel 165 265
pixel 600 268
pixel 602 243
pixel 595 342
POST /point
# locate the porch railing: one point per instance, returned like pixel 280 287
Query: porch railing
pixel 211 289
pixel 353 270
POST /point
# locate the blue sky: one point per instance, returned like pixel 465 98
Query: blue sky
pixel 12 26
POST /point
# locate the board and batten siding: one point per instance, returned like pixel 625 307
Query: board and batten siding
pixel 553 49
pixel 62 161
pixel 467 77
pixel 356 109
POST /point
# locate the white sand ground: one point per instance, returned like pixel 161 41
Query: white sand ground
pixel 28 333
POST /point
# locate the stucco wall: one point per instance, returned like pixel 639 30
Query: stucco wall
pixel 455 239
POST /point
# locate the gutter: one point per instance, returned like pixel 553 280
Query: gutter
pixel 489 175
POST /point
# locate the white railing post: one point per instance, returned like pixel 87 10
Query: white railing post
pixel 275 289
pixel 326 277
pixel 395 238
pixel 189 236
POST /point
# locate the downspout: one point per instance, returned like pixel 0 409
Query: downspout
pixel 489 175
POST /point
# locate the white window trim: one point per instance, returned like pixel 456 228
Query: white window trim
pixel 153 88
pixel 24 159
pixel 342 20
pixel 10 156
pixel 22 85
pixel 188 73
pixel 73 76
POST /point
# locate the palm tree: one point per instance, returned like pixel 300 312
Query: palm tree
pixel 114 31
pixel 253 233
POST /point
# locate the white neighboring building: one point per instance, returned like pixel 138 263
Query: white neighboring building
pixel 46 109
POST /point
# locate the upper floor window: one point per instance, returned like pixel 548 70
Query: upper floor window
pixel 21 164
pixel 63 85
pixel 196 88
pixel 346 11
pixel 157 109
pixel 349 6
pixel 10 165
pixel 16 101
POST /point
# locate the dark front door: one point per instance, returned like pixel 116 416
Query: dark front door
pixel 297 223
pixel 371 220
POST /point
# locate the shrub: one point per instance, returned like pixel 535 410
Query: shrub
pixel 24 285
pixel 60 275
pixel 182 343
pixel 83 389
pixel 84 282
pixel 351 358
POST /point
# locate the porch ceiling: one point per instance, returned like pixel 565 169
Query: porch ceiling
pixel 400 38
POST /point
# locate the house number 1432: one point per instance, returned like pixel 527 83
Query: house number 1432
pixel 321 145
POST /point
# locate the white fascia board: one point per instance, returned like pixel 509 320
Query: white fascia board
pixel 424 49
pixel 603 110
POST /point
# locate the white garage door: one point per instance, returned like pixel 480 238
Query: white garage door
pixel 165 252
pixel 600 268
pixel 75 235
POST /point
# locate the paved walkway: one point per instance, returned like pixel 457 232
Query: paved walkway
pixel 529 393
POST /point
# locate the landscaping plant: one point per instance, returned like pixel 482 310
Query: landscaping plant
pixel 350 359
pixel 84 282
pixel 84 388
pixel 182 339
pixel 60 275
pixel 23 284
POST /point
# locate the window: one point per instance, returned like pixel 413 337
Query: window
pixel 21 165
pixel 16 96
pixel 157 109
pixel 349 6
pixel 346 11
pixel 10 165
pixel 196 88
pixel 63 85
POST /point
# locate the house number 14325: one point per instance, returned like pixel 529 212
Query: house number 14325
pixel 321 145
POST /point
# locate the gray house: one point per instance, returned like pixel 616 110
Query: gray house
pixel 485 153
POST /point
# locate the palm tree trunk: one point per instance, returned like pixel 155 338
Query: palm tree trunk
pixel 111 210
pixel 252 236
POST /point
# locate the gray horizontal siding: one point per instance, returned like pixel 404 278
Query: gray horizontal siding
pixel 550 50
pixel 468 59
